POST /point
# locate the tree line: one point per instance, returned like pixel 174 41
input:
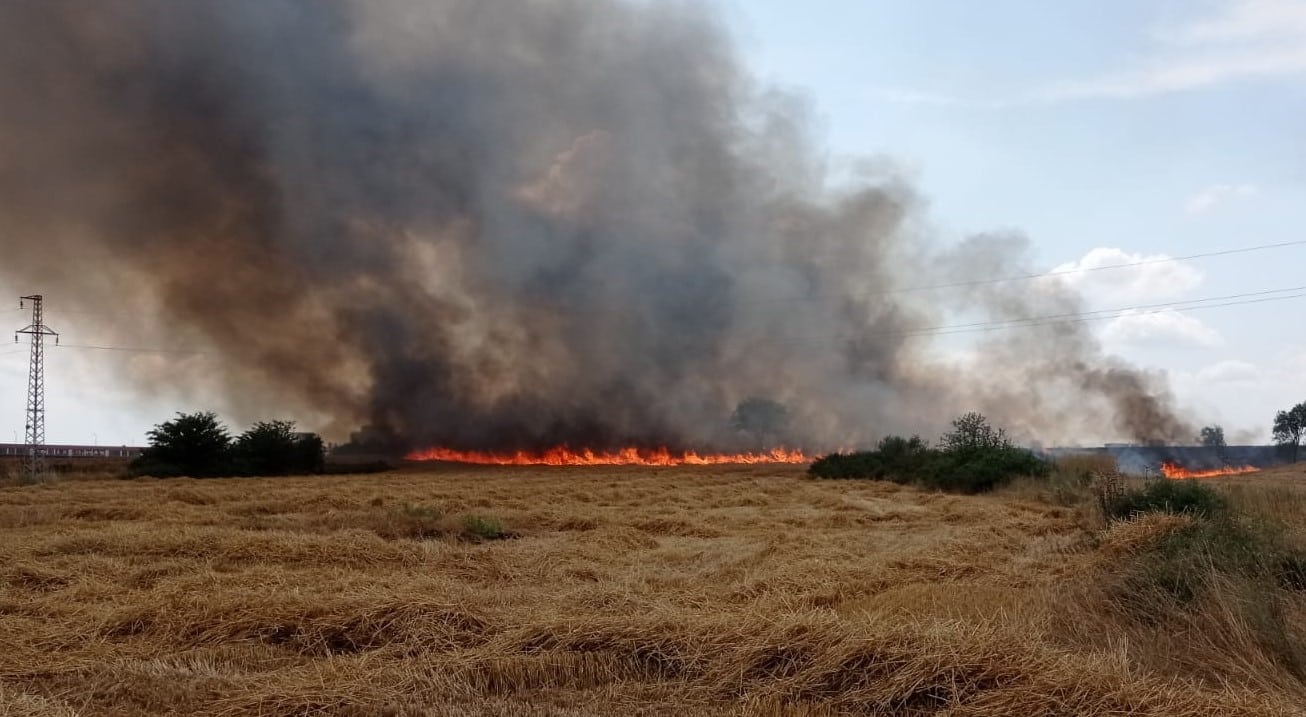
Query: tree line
pixel 200 446
pixel 1288 430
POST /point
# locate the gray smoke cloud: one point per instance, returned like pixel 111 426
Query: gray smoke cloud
pixel 503 225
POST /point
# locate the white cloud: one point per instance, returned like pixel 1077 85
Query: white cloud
pixel 1233 40
pixel 1145 277
pixel 1228 372
pixel 1177 74
pixel 1238 39
pixel 1159 328
pixel 916 97
pixel 941 99
pixel 1245 19
pixel 1217 194
pixel 1244 396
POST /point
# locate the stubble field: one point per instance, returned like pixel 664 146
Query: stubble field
pixel 595 591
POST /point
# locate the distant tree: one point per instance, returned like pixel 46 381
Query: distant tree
pixel 310 453
pixel 192 444
pixel 1212 437
pixel 266 449
pixel 273 448
pixel 198 445
pixel 765 420
pixel 972 432
pixel 1288 428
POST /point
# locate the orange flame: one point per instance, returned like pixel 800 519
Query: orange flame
pixel 561 456
pixel 1177 472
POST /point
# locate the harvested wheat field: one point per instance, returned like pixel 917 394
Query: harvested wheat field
pixel 595 591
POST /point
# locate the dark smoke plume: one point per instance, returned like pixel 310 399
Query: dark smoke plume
pixel 500 225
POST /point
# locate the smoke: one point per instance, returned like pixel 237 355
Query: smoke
pixel 502 225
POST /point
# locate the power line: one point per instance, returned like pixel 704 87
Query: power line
pixel 1064 272
pixel 133 349
pixel 984 327
pixel 1253 297
pixel 1118 310
pixel 1075 317
pixel 995 326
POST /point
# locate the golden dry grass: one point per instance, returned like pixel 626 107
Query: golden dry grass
pixel 622 591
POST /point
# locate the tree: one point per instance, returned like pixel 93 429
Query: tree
pixel 310 453
pixel 1288 428
pixel 266 449
pixel 763 419
pixel 972 432
pixel 273 448
pixel 194 444
pixel 1212 437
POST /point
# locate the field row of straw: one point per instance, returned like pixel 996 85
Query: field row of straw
pixel 598 591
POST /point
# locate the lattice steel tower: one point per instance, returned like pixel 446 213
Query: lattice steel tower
pixel 35 435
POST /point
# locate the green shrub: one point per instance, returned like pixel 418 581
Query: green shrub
pixel 903 458
pixel 1169 496
pixel 1226 566
pixel 1181 562
pixel 836 466
pixel 983 469
pixel 897 459
pixel 483 527
pixel 975 458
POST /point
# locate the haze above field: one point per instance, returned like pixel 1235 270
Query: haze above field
pixel 1104 133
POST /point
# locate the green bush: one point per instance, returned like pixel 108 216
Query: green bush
pixel 837 466
pixel 1169 496
pixel 974 458
pixel 1228 565
pixel 1181 562
pixel 983 469
pixel 483 527
pixel 897 459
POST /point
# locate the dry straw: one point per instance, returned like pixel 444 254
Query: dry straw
pixel 745 591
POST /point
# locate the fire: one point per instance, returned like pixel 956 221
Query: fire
pixel 561 456
pixel 1177 472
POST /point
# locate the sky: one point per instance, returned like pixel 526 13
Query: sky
pixel 1105 131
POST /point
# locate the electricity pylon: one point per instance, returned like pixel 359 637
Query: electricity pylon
pixel 34 465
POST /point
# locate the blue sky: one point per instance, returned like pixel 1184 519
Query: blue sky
pixel 1105 131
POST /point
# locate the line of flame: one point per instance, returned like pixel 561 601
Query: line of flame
pixel 561 456
pixel 1177 472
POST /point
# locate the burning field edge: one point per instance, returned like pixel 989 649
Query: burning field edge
pixel 562 456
